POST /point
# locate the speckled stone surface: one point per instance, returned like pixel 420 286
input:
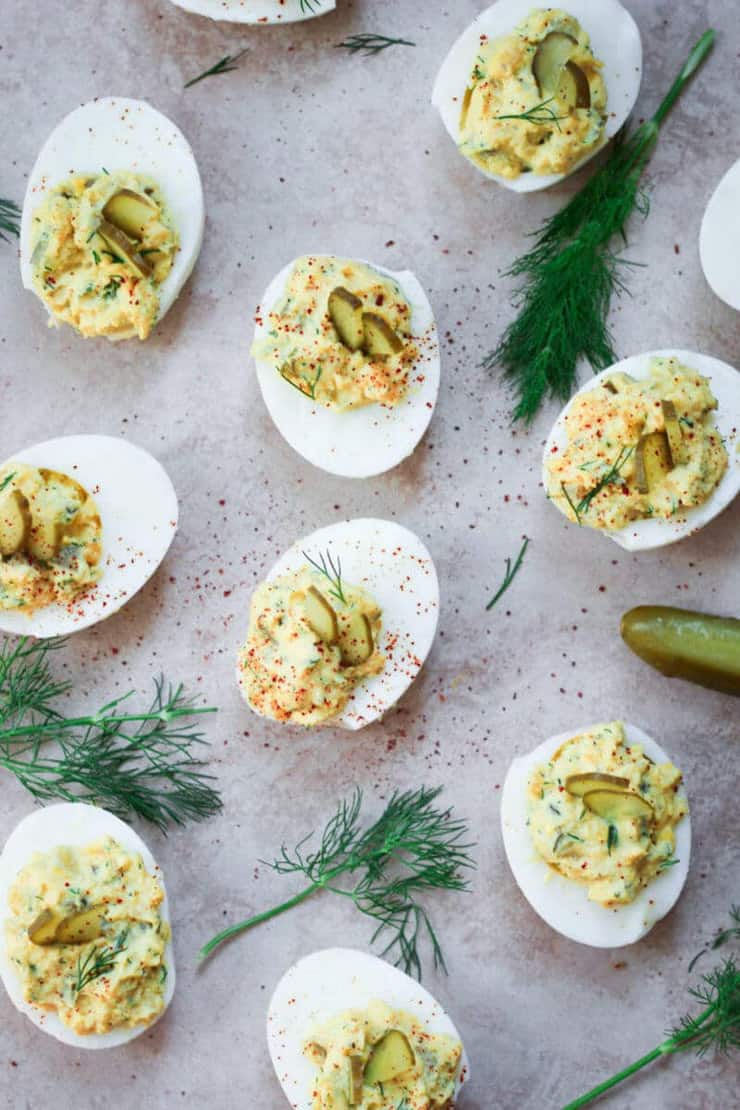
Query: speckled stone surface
pixel 308 149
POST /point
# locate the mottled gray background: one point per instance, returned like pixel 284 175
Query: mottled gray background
pixel 308 149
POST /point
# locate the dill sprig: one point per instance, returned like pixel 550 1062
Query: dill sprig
pixel 310 6
pixel 97 962
pixel 10 215
pixel 413 847
pixel 611 477
pixel 540 113
pixel 310 390
pixel 510 574
pixel 131 763
pixel 716 1026
pixel 331 570
pixel 228 63
pixel 368 43
pixel 571 273
pixel 722 937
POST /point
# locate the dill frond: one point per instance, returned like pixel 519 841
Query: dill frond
pixel 571 273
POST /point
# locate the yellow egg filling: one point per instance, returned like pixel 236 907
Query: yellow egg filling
pixel 340 334
pixel 308 646
pixel 50 538
pixel 638 449
pixel 536 100
pixel 86 937
pixel 603 814
pixel 101 248
pixel 382 1059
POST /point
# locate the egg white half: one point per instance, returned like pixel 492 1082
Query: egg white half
pixel 258 11
pixel 564 904
pixel 615 40
pixel 70 825
pixel 138 508
pixel 394 566
pixel 324 984
pixel 365 441
pixel 719 239
pixel 724 380
pixel 122 134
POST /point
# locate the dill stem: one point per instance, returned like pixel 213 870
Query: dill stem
pixel 266 915
pixel 101 721
pixel 672 1044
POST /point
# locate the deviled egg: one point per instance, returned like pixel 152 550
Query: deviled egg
pixel 597 833
pixel 341 626
pixel 347 1029
pixel 646 450
pixel 347 360
pixel 529 94
pixel 85 939
pixel 258 11
pixel 719 240
pixel 112 219
pixel 84 523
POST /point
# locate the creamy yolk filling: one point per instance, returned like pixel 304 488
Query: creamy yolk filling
pixel 108 970
pixel 615 858
pixel 638 449
pixel 50 538
pixel 99 261
pixel 536 101
pixel 304 346
pixel 291 667
pixel 380 1059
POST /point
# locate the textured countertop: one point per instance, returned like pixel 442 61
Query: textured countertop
pixel 305 148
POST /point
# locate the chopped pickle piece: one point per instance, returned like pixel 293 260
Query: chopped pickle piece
pixel 119 244
pixel 356 1079
pixel 615 805
pixel 574 87
pixel 673 433
pixel 15 521
pixel 82 927
pixel 345 311
pixel 391 1057
pixel 613 384
pixel 44 537
pixel 467 97
pixel 130 212
pixel 355 638
pixel 594 780
pixel 320 615
pixel 549 61
pixel 42 929
pixel 652 461
pixel 380 339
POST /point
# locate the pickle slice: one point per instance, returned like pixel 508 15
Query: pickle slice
pixel 594 780
pixel 320 615
pixel 130 212
pixel 356 1079
pixel 119 244
pixel 345 311
pixel 652 461
pixel 615 805
pixel 355 638
pixel 380 339
pixel 673 432
pixel 549 61
pixel 574 87
pixel 391 1057
pixel 42 929
pixel 15 522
